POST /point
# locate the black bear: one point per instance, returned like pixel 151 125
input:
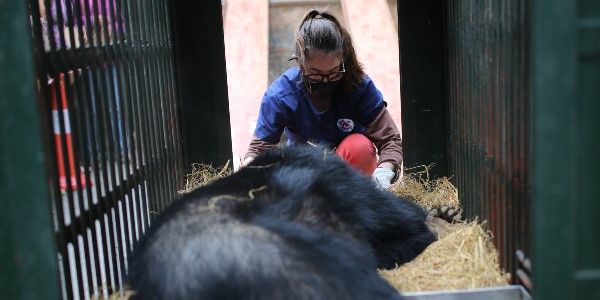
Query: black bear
pixel 297 223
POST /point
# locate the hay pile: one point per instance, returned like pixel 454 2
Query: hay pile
pixel 203 174
pixel 463 257
pixel 120 295
pixel 419 188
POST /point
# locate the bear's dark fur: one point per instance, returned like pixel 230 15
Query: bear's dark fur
pixel 297 223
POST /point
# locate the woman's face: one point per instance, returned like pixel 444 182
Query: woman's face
pixel 322 63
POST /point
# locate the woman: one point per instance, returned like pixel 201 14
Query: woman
pixel 327 99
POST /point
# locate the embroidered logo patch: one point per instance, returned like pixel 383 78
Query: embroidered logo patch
pixel 345 125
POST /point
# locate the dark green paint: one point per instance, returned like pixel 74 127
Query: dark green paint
pixel 566 146
pixel 27 252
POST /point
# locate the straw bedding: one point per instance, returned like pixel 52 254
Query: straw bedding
pixel 426 192
pixel 203 174
pixel 464 255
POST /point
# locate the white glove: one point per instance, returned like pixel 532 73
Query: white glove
pixel 247 160
pixel 383 178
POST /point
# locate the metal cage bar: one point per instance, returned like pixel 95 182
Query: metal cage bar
pixel 106 83
pixel 477 54
pixel 488 116
pixel 26 233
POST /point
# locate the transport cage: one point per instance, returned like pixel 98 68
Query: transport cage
pixel 105 105
pixel 512 292
pixel 112 101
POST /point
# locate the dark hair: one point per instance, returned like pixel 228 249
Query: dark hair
pixel 321 31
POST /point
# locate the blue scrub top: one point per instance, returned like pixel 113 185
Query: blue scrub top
pixel 286 106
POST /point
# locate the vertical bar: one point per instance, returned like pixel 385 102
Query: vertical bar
pixel 156 29
pixel 77 223
pixel 118 239
pixel 85 117
pixel 81 131
pixel 151 81
pixel 510 112
pixel 134 39
pixel 175 120
pixel 121 93
pixel 29 269
pixel 100 144
pixel 165 107
pixel 74 90
pixel 525 141
pixel 151 65
pixel 149 119
pixel 72 223
pixel 114 149
pixel 137 81
pixel 52 97
pixel 130 96
pixel 554 68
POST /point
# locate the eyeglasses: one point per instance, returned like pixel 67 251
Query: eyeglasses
pixel 335 76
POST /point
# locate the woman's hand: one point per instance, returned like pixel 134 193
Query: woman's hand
pixel 247 160
pixel 383 175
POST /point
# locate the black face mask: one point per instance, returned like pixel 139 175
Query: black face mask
pixel 321 89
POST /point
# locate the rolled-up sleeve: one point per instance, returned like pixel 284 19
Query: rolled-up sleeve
pixel 384 133
pixel 258 147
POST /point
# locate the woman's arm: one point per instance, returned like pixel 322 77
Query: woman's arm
pixel 269 127
pixel 256 148
pixel 386 137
